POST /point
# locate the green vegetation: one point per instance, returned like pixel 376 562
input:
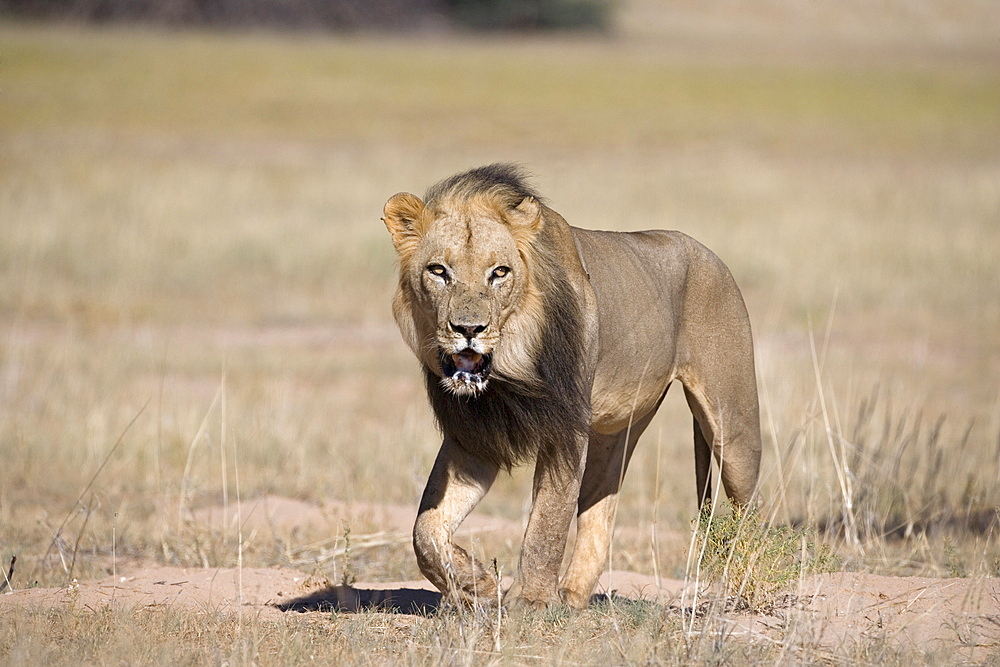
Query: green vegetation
pixel 338 15
pixel 531 14
pixel 753 561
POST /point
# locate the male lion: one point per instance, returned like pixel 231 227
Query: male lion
pixel 540 340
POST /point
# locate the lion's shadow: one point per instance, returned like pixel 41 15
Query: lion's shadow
pixel 413 601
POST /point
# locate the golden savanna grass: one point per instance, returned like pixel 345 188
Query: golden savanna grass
pixel 195 286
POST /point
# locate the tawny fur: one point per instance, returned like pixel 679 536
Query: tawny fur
pixel 585 331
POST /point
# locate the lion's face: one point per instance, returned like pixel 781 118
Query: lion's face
pixel 462 279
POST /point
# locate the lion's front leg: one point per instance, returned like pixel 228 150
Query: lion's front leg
pixel 457 483
pixel 555 493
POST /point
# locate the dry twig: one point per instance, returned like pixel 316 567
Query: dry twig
pixel 10 573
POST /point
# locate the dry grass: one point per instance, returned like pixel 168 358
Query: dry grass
pixel 190 240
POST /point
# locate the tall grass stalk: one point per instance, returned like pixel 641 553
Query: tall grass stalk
pixel 58 532
pixel 838 458
pixel 185 487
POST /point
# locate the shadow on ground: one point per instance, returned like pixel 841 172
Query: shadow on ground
pixel 414 601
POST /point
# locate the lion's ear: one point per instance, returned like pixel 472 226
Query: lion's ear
pixel 527 216
pixel 400 216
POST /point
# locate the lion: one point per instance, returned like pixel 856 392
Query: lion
pixel 546 342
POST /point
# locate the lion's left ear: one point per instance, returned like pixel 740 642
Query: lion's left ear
pixel 401 215
pixel 527 216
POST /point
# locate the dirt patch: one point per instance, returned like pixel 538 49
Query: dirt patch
pixel 200 589
pixel 829 610
pixel 270 591
pixel 917 611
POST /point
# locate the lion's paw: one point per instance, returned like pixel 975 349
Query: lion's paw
pixel 518 604
pixel 573 599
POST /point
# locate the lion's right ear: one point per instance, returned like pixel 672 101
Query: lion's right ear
pixel 401 216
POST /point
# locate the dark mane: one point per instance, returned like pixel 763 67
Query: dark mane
pixel 506 181
pixel 511 422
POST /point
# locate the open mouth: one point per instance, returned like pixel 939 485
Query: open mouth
pixel 466 371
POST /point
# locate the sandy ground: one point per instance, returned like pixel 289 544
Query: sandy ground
pixel 826 610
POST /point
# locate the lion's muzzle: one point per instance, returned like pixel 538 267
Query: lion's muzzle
pixel 466 371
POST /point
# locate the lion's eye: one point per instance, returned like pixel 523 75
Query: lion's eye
pixel 438 270
pixel 500 272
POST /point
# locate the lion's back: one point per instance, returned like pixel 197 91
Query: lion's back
pixel 650 274
pixel 635 275
pixel 653 288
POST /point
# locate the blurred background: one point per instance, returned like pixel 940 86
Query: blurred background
pixel 332 15
pixel 195 284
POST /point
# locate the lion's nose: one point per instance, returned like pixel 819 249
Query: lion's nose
pixel 468 330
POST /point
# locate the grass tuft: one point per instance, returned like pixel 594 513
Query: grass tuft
pixel 753 560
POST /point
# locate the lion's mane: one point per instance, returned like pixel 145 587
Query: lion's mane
pixel 520 416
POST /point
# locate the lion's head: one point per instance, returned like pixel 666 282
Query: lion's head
pixel 468 302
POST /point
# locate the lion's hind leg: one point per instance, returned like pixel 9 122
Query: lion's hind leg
pixel 727 424
pixel 702 466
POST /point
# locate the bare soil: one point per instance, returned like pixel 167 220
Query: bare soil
pixel 831 609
